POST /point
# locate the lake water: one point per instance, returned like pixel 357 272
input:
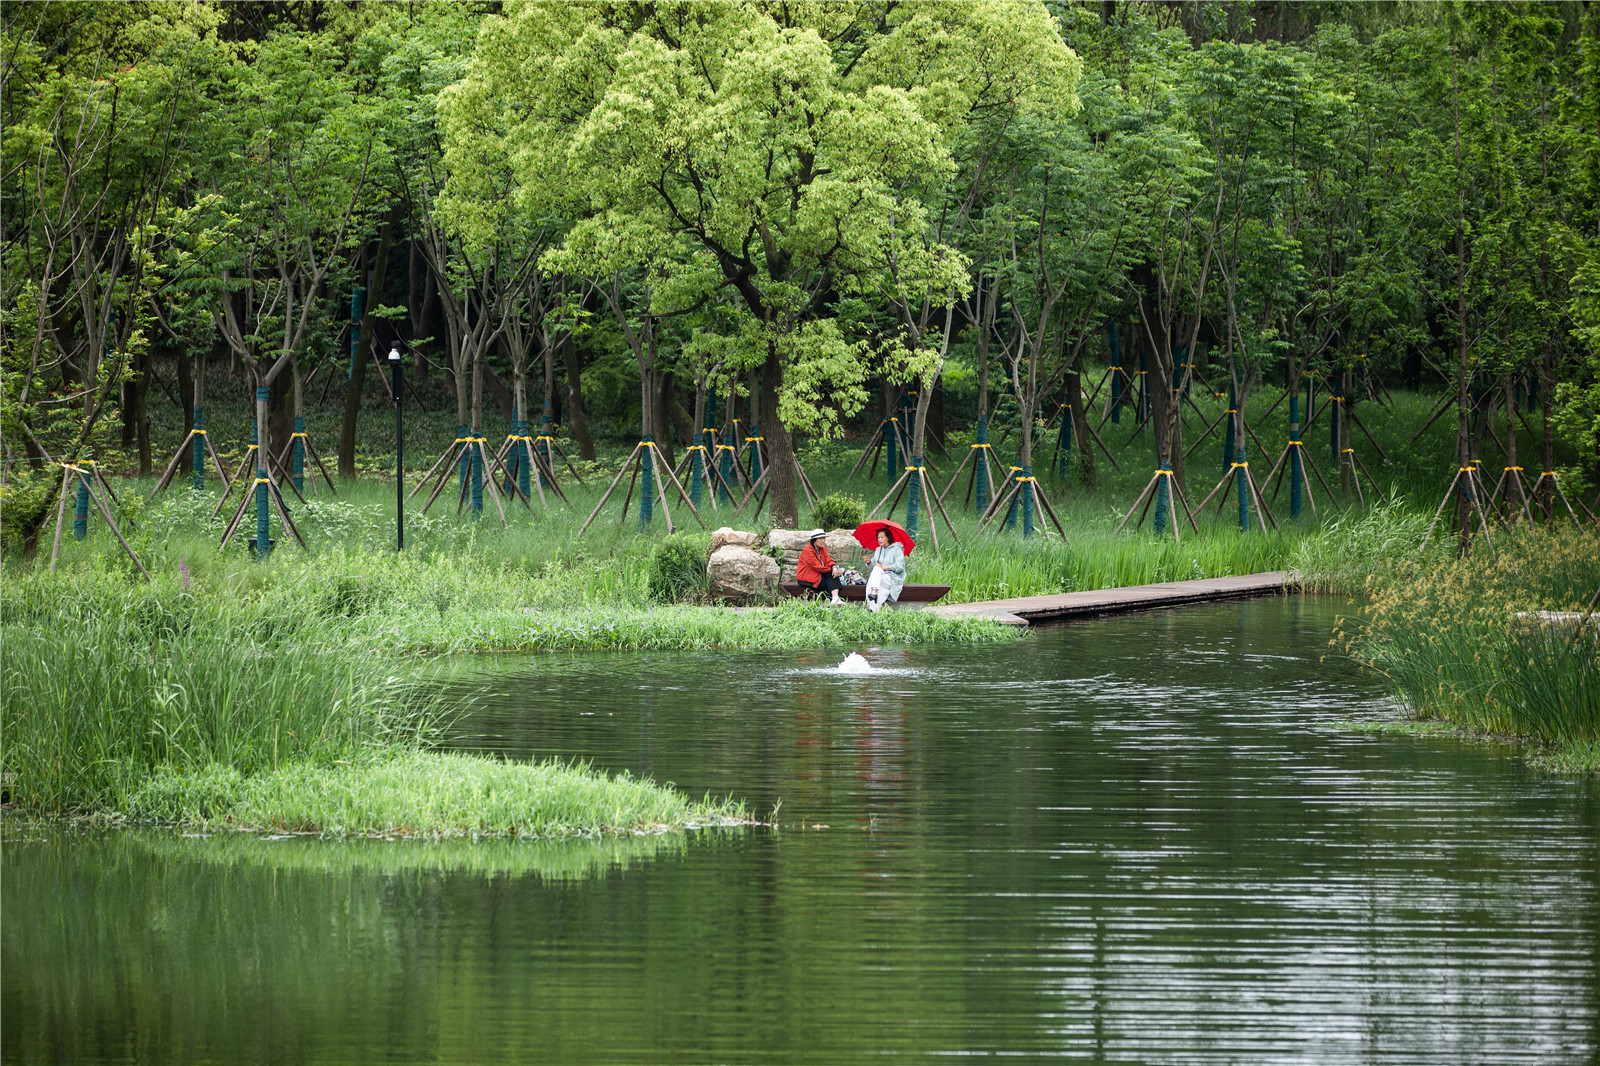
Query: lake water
pixel 1143 839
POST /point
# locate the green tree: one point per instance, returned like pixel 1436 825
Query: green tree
pixel 785 140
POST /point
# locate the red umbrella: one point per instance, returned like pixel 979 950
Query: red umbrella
pixel 867 534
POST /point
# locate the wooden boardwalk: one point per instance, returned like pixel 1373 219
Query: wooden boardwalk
pixel 1030 610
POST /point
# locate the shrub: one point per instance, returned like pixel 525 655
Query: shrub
pixel 678 566
pixel 22 506
pixel 838 511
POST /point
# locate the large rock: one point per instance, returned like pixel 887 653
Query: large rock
pixel 728 535
pixel 845 549
pixel 790 540
pixel 742 572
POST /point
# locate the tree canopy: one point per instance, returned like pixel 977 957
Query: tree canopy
pixel 806 201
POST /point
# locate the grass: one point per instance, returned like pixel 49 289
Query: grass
pixel 1450 638
pixel 204 693
pixel 419 793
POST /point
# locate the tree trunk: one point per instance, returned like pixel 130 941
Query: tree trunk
pixel 783 499
pixel 141 413
pixel 1082 441
pixel 1547 377
pixel 503 397
pixel 577 421
pixel 185 372
pixel 420 289
pixel 125 401
pixel 548 408
pixel 359 359
pixel 279 415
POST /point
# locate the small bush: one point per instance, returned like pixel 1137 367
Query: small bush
pixel 678 566
pixel 838 511
pixel 22 505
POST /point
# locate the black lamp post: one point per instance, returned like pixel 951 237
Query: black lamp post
pixel 399 449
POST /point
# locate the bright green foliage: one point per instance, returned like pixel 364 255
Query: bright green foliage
pixel 838 510
pixel 778 150
pixel 415 793
pixel 678 566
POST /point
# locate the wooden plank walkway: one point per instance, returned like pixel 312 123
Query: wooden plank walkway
pixel 1030 610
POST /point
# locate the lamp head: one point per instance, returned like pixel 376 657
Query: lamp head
pixel 394 352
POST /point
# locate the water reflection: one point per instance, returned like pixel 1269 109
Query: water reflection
pixel 1133 840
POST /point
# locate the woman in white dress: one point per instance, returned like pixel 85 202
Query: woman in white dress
pixel 888 572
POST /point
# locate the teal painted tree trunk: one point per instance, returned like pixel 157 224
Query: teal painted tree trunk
pixel 1158 523
pixel 647 483
pixel 913 496
pixel 980 474
pixel 263 533
pixel 199 459
pixel 1296 474
pixel 298 450
pixel 1241 486
pixel 1026 493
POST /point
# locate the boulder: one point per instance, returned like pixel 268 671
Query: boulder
pixel 790 540
pixel 740 572
pixel 728 535
pixel 845 549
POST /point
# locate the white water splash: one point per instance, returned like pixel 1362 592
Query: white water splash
pixel 855 664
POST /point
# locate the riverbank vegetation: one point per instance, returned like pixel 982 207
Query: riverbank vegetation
pixel 1501 645
pixel 1085 240
pixel 181 701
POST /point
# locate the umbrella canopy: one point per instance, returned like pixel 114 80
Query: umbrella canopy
pixel 867 534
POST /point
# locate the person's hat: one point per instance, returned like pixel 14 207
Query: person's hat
pixel 815 533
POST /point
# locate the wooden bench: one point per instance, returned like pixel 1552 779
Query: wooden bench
pixel 858 593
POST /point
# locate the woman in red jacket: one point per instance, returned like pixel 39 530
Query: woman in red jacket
pixel 816 569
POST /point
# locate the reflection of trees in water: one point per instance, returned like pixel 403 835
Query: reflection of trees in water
pixel 279 950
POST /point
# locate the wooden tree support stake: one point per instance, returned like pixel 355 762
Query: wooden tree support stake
pixel 94 483
pixel 1555 486
pixel 316 456
pixel 1148 495
pixel 1281 468
pixel 1002 502
pixel 662 472
pixel 1468 484
pixel 182 453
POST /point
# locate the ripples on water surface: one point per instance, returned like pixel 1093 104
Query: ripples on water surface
pixel 1141 839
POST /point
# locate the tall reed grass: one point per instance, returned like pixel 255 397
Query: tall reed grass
pixel 1462 639
pixel 101 682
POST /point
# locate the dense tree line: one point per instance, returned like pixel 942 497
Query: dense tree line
pixel 799 204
